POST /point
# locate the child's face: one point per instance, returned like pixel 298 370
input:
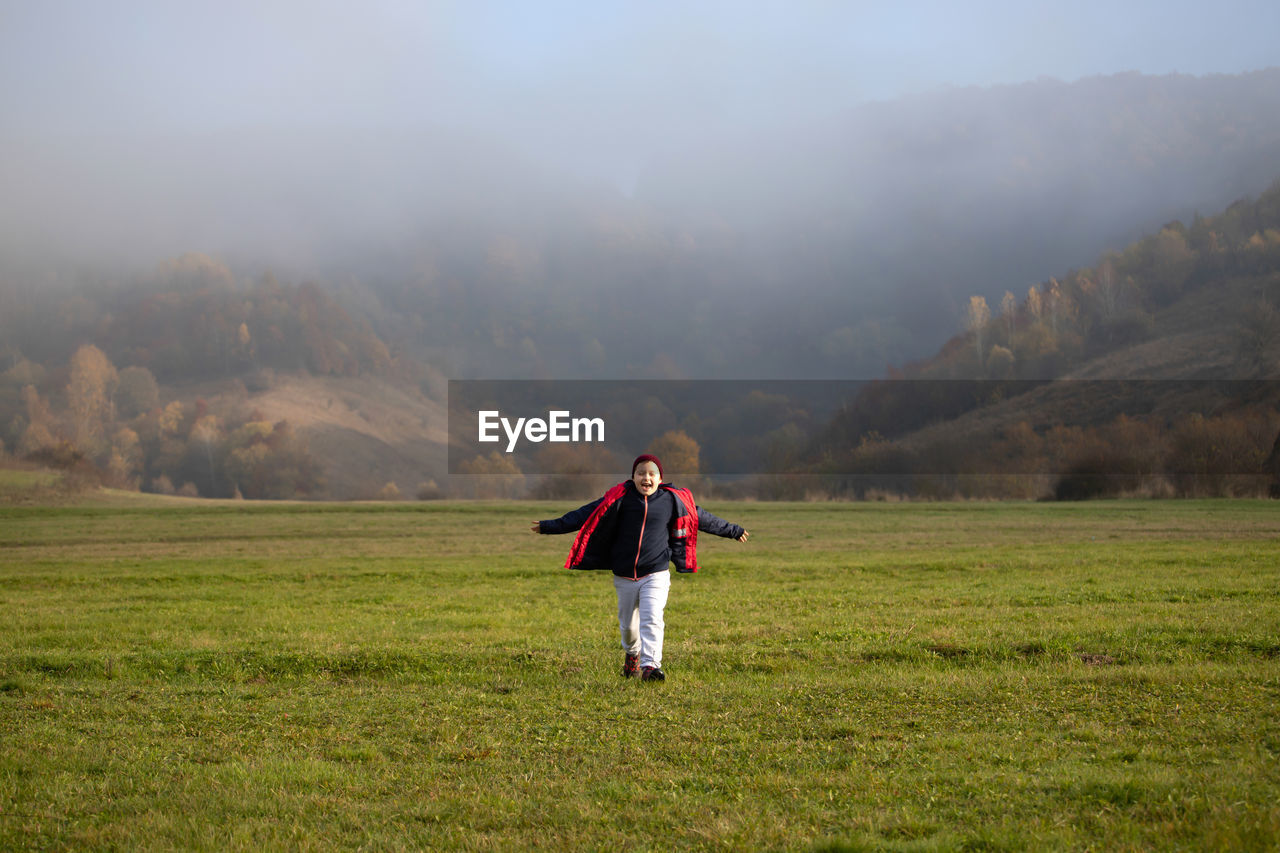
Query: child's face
pixel 646 478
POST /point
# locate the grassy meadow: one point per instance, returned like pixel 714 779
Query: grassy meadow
pixel 858 676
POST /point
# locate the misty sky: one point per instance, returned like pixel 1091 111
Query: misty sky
pixel 594 86
pixel 137 129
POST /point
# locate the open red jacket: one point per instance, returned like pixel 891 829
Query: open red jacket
pixel 595 523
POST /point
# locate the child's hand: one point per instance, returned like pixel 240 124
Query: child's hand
pixel 536 527
pixel 744 537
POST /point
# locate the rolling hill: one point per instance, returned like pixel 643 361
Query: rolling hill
pixel 1177 379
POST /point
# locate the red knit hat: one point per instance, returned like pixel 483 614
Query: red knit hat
pixel 646 457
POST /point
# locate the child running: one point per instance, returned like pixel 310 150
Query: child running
pixel 636 530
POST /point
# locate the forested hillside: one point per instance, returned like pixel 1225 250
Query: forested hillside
pixel 843 252
pixel 148 384
pixel 1157 369
pixel 191 319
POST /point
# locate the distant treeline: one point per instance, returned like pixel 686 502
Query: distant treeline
pixel 192 320
pixel 107 425
pixel 83 370
pixel 1232 455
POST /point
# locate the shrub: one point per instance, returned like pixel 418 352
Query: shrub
pixel 1100 476
pixel 1219 457
pixel 162 485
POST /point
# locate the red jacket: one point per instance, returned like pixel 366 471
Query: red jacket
pixel 682 533
pixel 597 526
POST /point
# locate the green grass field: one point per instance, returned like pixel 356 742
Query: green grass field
pixel 858 676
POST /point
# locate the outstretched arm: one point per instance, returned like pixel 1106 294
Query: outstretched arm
pixel 567 523
pixel 714 524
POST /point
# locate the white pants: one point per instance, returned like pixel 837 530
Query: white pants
pixel 640 606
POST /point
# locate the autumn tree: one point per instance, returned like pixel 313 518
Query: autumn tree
pixel 195 270
pixel 1035 304
pixel 266 461
pixel 1108 289
pixel 39 433
pixel 1053 305
pixel 977 316
pixel 204 435
pixel 492 476
pixel 575 470
pixel 125 462
pixel 89 398
pixel 13 421
pixel 1009 312
pixel 1000 362
pixel 136 392
pixel 25 372
pixel 679 454
pixel 172 418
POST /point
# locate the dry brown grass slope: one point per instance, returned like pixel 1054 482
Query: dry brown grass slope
pixel 1197 337
pixel 365 431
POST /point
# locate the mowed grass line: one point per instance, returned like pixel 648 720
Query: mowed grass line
pixel 858 676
